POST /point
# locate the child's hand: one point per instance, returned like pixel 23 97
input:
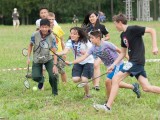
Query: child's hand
pixel 155 51
pixel 83 52
pixel 68 63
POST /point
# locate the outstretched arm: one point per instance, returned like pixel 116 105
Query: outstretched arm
pixel 29 53
pixel 154 39
pixel 65 51
pixel 83 57
pixel 120 57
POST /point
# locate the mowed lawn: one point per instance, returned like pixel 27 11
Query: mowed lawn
pixel 19 103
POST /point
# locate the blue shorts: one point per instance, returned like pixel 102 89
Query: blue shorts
pixel 85 70
pixel 115 71
pixel 134 69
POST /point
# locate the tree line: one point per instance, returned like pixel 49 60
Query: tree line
pixel 65 9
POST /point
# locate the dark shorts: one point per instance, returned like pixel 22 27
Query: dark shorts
pixel 134 69
pixel 85 70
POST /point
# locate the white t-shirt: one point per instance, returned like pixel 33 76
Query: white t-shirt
pixel 38 23
pixel 78 48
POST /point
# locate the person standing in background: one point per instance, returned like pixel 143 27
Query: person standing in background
pixel 15 16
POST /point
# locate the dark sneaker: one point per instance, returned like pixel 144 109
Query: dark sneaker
pixel 101 107
pixel 136 90
pixel 40 86
pixel 96 88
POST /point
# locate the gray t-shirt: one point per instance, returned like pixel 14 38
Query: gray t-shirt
pixel 15 15
pixel 106 52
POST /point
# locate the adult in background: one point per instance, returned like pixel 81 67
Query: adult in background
pixel 15 16
pixel 91 23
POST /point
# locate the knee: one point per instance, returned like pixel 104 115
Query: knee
pixel 108 82
pixel 146 88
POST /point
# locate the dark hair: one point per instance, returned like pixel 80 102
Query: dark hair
pixel 86 21
pixel 82 34
pixel 43 8
pixel 120 17
pixel 96 33
pixel 44 22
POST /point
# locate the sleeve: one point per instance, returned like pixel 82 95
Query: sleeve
pixel 54 45
pixel 104 30
pixel 38 23
pixel 69 44
pixel 58 31
pixel 32 39
pixel 138 30
pixel 111 45
pixel 122 42
pixel 90 50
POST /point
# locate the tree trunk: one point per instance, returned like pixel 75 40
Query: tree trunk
pixel 112 8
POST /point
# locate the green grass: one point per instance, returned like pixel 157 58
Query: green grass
pixel 17 103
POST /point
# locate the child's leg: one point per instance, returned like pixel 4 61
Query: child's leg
pixel 97 63
pixel 115 86
pixel 86 87
pixel 108 84
pixel 146 85
pixel 76 79
pixel 126 85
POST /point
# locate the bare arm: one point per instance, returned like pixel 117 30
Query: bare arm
pixel 119 51
pixel 120 57
pixel 154 39
pixel 65 51
pixel 83 57
pixel 106 38
pixel 29 53
pixel 62 43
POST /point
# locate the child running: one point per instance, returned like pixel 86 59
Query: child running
pixel 131 39
pixel 79 44
pixel 42 56
pixel 108 53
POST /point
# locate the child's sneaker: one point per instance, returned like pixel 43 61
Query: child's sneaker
pixel 96 88
pixel 101 107
pixel 40 86
pixel 136 90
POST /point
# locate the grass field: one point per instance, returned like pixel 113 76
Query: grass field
pixel 17 103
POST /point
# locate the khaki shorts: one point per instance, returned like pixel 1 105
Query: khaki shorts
pixel 16 22
pixel 61 66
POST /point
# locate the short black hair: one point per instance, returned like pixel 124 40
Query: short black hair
pixel 45 22
pixel 43 8
pixel 96 33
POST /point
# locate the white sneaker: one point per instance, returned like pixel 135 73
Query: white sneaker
pixel 101 107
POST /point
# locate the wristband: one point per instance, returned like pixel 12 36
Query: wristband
pixel 55 64
pixel 114 64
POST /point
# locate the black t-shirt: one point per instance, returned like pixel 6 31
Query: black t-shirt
pixel 100 27
pixel 132 39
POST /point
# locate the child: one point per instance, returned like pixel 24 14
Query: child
pixel 91 23
pixel 42 56
pixel 58 32
pixel 79 43
pixel 107 52
pixel 131 39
